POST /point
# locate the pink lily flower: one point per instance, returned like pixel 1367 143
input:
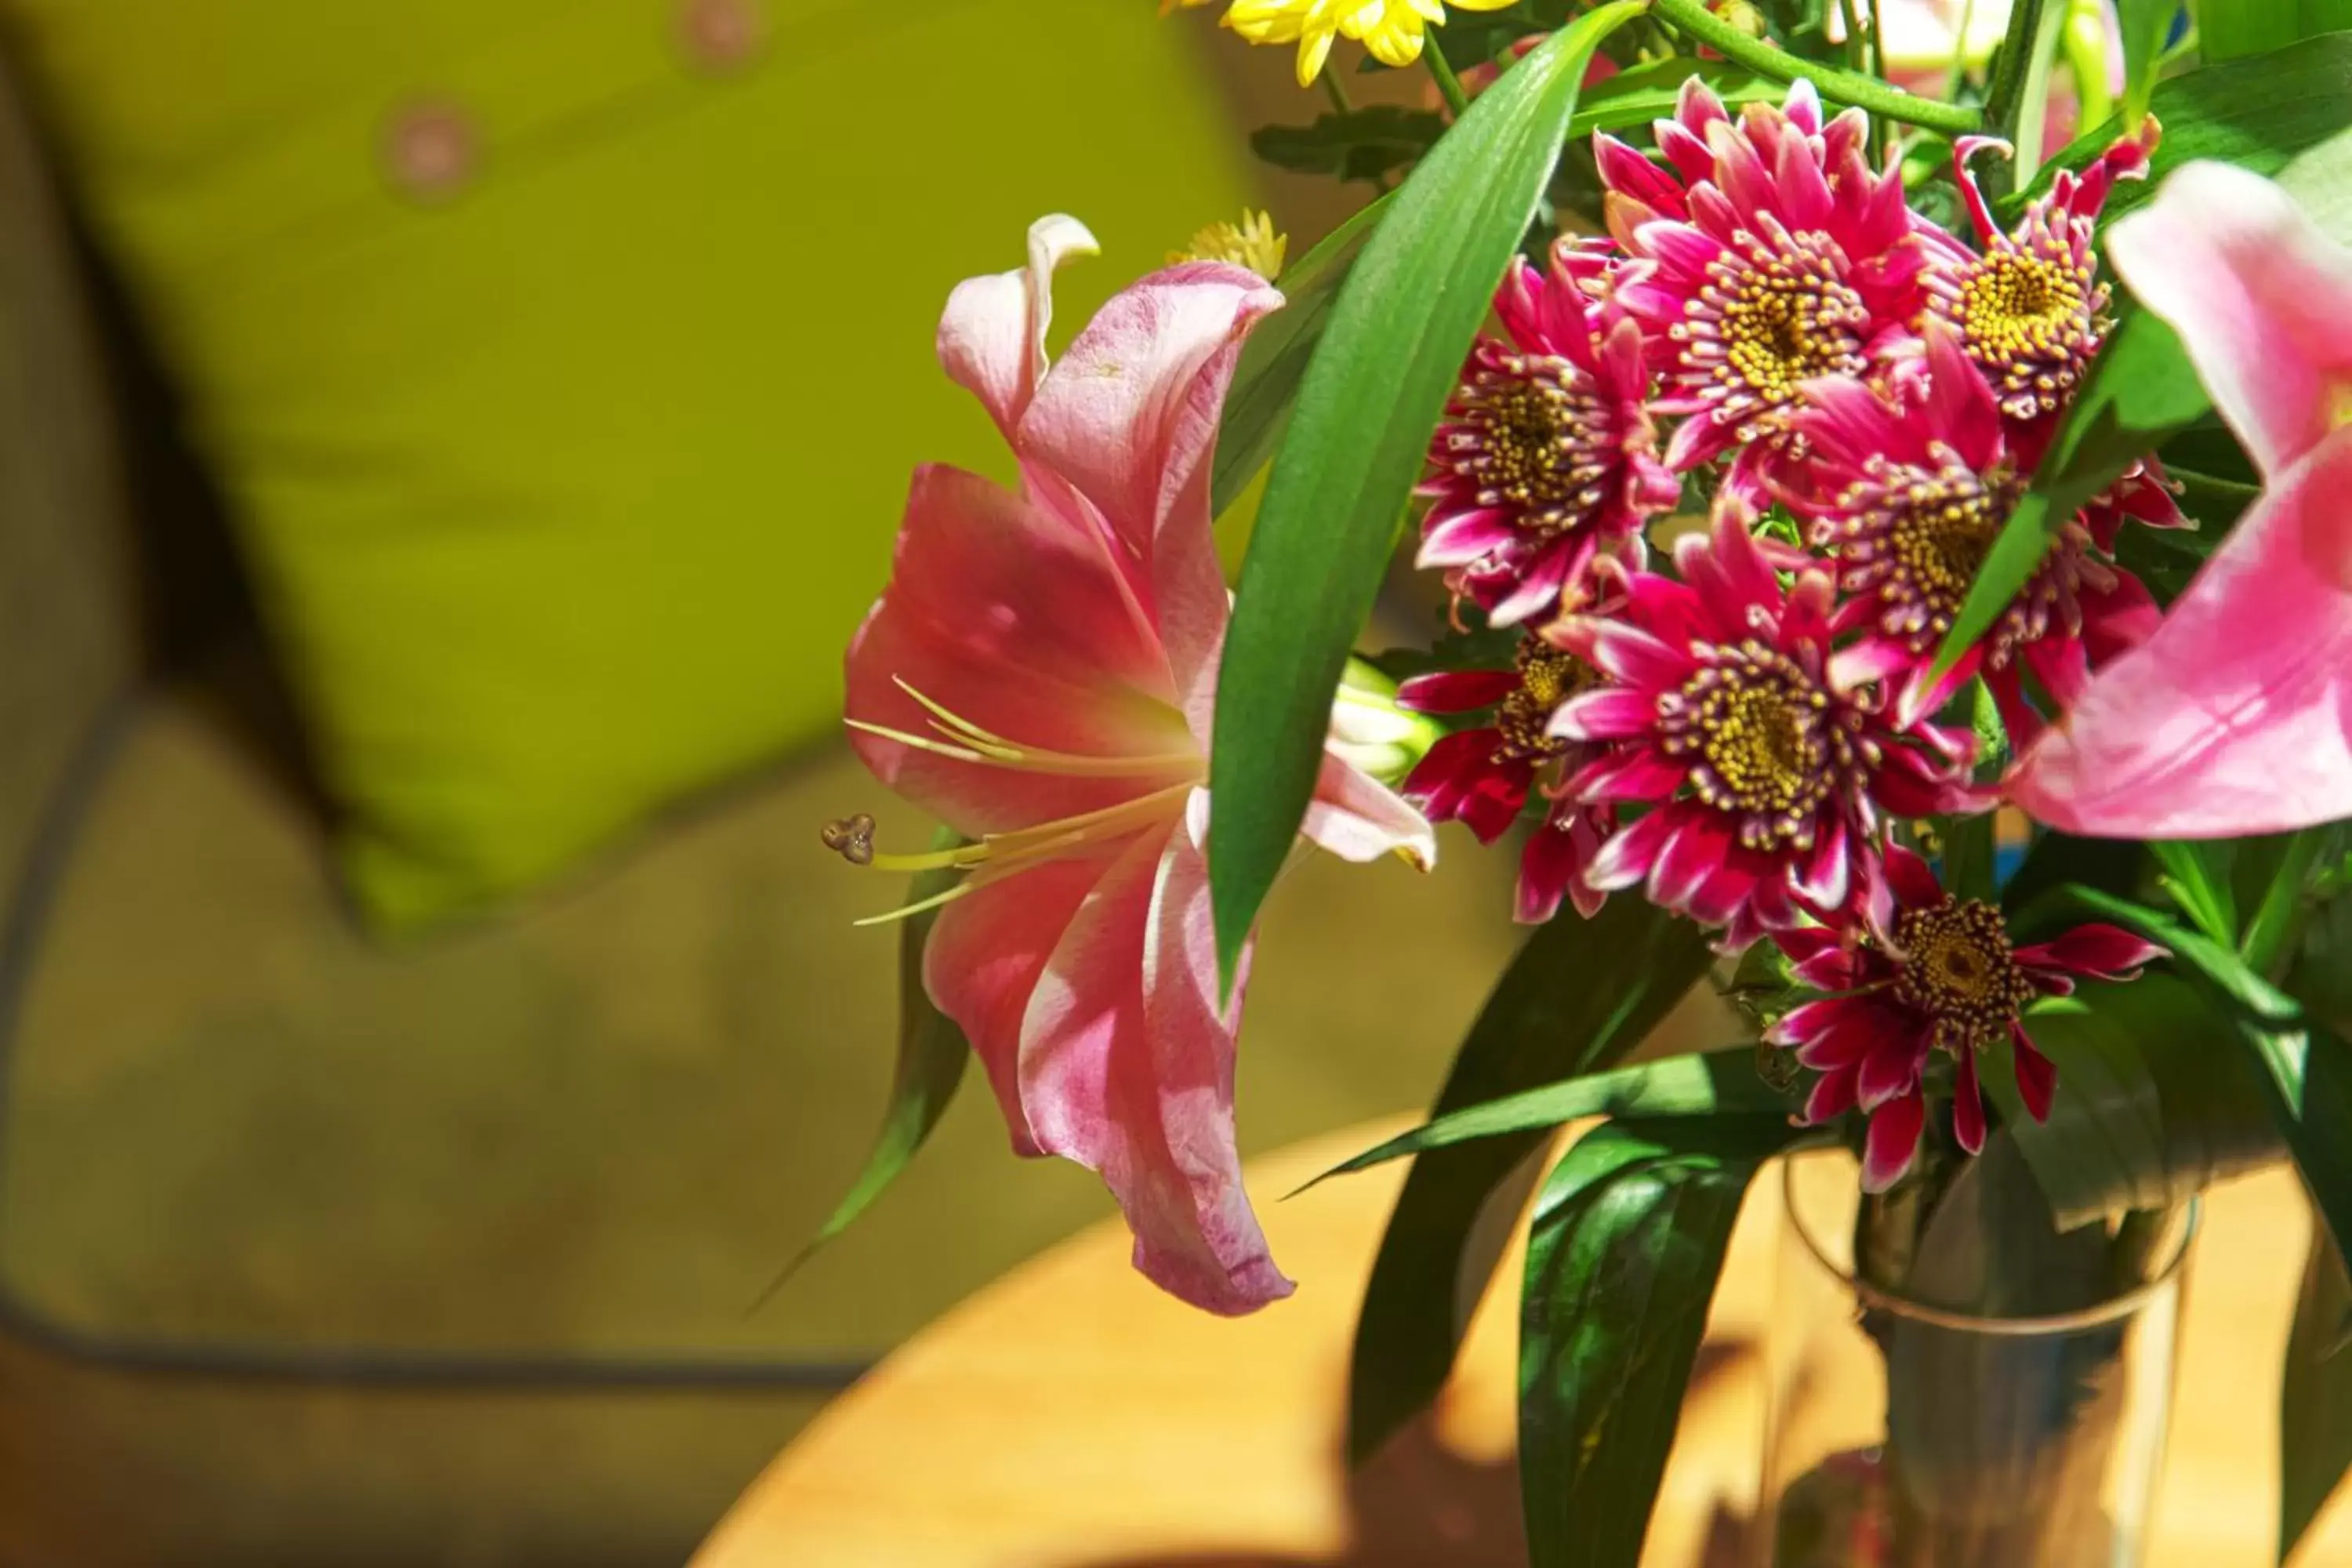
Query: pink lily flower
pixel 1040 674
pixel 2235 716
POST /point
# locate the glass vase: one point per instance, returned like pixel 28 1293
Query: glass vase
pixel 2000 1402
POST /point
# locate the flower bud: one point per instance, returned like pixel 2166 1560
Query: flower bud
pixel 1370 732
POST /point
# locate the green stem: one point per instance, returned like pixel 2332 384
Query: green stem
pixel 1852 11
pixel 2007 83
pixel 1447 82
pixel 2033 99
pixel 1336 92
pixel 1696 21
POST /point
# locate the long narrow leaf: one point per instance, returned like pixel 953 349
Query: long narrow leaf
pixel 2155 1101
pixel 1358 436
pixel 932 1055
pixel 1648 92
pixel 1624 1255
pixel 2314 1394
pixel 2144 24
pixel 2227 29
pixel 1580 995
pixel 1274 356
pixel 2259 113
pixel 2217 963
pixel 1716 1083
pixel 2140 390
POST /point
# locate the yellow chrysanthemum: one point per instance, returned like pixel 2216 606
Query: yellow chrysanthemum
pixel 1252 243
pixel 1391 29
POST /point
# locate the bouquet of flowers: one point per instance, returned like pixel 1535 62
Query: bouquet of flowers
pixel 1899 561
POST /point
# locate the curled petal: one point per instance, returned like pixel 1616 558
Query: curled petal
pixel 1127 1068
pixel 1832 1096
pixel 2235 716
pixel 1357 818
pixel 2262 300
pixel 2093 952
pixel 1967 1105
pixel 985 954
pixel 1456 691
pixel 992 336
pixel 2037 1078
pixel 1893 1142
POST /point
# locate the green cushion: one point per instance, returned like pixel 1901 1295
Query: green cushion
pixel 233 1132
pixel 565 360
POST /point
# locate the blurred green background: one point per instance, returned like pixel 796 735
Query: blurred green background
pixel 443 447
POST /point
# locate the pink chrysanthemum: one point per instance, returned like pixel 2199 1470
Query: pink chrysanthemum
pixel 1908 492
pixel 1777 257
pixel 1768 771
pixel 1547 456
pixel 1481 777
pixel 2031 309
pixel 1941 977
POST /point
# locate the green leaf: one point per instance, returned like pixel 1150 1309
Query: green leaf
pixel 1579 995
pixel 2217 963
pixel 932 1055
pixel 1276 353
pixel 2258 114
pixel 1624 1255
pixel 2035 897
pixel 1648 92
pixel 2278 871
pixel 2197 875
pixel 2314 1394
pixel 1388 360
pixel 2155 1100
pixel 2227 29
pixel 2144 23
pixel 1711 1083
pixel 1367 143
pixel 2139 391
pixel 2310 1075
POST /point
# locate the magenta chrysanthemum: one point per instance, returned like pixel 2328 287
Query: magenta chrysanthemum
pixel 1908 493
pixel 2031 309
pixel 1779 256
pixel 1547 456
pixel 1768 772
pixel 1482 776
pixel 1941 977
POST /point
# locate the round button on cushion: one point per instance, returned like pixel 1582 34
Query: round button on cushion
pixel 431 149
pixel 720 35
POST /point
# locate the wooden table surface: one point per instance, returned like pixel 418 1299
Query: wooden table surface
pixel 1070 1417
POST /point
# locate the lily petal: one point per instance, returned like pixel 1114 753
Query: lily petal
pixel 1128 420
pixel 2235 717
pixel 1127 1068
pixel 1013 617
pixel 992 336
pixel 2262 300
pixel 1359 818
pixel 984 955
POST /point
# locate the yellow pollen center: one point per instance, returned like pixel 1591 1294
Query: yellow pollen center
pixel 1762 748
pixel 1784 326
pixel 1549 677
pixel 1764 743
pixel 1957 968
pixel 2015 305
pixel 1942 536
pixel 1533 450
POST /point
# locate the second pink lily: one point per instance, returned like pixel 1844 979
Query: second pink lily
pixel 2235 717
